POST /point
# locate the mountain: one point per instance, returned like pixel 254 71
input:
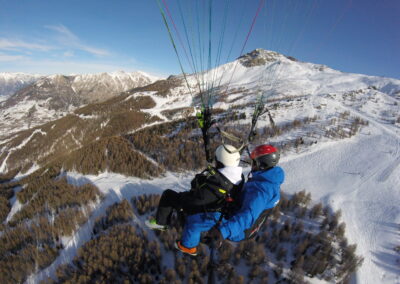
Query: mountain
pixel 12 82
pixel 339 137
pixel 281 79
pixel 52 97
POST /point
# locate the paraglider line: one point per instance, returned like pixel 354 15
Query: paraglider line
pixel 173 44
pixel 177 33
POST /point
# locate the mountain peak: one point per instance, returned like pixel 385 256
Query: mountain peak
pixel 261 56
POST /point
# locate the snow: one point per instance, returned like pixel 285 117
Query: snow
pixel 3 166
pixel 15 118
pixel 16 206
pixel 360 177
pixel 166 103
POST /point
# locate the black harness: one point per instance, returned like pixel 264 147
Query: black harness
pixel 253 230
pixel 216 183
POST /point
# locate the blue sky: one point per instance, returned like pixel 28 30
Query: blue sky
pixel 47 36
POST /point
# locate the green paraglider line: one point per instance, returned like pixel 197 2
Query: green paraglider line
pixel 173 44
pixel 209 90
pixel 194 65
pixel 177 32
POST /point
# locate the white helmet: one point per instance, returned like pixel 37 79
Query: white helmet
pixel 227 155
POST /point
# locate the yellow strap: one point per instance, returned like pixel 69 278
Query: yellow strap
pixel 222 191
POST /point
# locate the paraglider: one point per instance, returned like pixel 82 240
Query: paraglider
pixel 208 192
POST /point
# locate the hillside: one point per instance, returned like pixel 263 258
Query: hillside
pixel 147 140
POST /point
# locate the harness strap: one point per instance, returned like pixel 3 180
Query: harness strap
pixel 253 230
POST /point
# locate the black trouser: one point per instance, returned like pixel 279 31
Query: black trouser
pixel 169 201
pixel 187 201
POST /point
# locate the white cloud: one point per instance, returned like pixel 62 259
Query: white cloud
pixel 48 67
pixel 7 44
pixel 68 53
pixel 69 39
pixel 8 58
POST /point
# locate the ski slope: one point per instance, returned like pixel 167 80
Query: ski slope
pixel 361 177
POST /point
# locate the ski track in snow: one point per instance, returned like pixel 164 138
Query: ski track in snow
pixel 387 172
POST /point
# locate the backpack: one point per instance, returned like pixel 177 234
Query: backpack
pixel 216 183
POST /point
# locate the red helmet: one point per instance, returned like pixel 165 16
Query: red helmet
pixel 265 157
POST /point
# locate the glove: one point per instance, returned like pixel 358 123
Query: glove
pixel 214 236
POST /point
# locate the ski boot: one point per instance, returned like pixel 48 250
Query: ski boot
pixel 189 251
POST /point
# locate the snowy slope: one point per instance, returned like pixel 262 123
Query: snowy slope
pixel 98 87
pixel 360 177
pixel 283 77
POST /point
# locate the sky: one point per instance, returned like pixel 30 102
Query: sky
pixel 87 36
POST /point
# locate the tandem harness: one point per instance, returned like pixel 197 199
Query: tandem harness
pixel 220 187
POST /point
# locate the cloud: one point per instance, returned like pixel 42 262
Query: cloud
pixel 13 45
pixel 66 67
pixel 68 53
pixel 7 58
pixel 69 39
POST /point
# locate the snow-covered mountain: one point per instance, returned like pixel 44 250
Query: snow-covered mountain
pixel 339 134
pixel 79 89
pixel 12 82
pixel 51 97
pixel 100 87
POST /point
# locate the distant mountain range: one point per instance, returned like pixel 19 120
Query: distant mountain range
pixel 38 99
pixel 85 88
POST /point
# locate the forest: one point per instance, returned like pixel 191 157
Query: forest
pixel 299 241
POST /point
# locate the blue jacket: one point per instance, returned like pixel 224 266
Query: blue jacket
pixel 261 192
